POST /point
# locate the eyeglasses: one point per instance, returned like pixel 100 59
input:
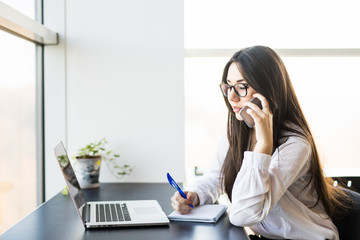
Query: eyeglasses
pixel 239 88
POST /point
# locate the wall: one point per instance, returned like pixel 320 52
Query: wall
pixel 123 81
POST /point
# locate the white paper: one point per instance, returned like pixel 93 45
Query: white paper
pixel 204 213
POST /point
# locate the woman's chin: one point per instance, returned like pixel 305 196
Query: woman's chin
pixel 238 117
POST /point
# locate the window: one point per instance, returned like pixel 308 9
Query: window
pixel 277 24
pixel 320 49
pixel 26 7
pixel 21 108
pixel 205 111
pixel 18 129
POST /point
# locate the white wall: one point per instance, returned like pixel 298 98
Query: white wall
pixel 123 81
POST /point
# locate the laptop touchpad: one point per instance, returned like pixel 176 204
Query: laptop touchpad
pixel 146 210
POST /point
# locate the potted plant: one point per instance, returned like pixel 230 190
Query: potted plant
pixel 88 162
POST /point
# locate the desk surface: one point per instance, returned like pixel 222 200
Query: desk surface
pixel 58 219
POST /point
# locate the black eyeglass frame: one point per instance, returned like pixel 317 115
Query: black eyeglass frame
pixel 245 86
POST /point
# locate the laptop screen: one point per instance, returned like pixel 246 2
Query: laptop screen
pixel 70 177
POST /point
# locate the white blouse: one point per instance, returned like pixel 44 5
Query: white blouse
pixel 271 194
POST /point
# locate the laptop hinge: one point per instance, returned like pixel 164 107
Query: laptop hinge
pixel 86 213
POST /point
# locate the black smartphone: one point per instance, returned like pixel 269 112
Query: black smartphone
pixel 247 118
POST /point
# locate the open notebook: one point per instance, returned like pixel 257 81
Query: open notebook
pixel 205 213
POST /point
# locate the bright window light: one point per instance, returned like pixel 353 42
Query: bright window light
pixel 277 24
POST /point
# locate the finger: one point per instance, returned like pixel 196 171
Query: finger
pixel 264 102
pixel 179 208
pixel 183 209
pixel 192 197
pixel 180 199
pixel 254 115
pixel 255 108
pixel 176 207
pixel 186 193
pixel 174 198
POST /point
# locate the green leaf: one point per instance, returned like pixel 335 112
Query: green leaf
pixel 65 191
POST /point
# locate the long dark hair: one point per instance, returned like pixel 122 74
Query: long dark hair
pixel 265 72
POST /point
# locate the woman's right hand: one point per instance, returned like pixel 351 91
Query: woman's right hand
pixel 182 205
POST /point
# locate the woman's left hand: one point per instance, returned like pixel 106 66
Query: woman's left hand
pixel 263 119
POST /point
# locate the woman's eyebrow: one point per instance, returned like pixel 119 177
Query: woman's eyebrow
pixel 240 80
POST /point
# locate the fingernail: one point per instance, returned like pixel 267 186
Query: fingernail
pixel 248 110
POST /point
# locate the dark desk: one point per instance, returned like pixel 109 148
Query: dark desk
pixel 57 218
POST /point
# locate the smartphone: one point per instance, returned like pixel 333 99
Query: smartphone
pixel 249 121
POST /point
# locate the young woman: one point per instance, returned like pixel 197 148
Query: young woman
pixel 271 172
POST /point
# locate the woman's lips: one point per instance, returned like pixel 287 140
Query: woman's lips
pixel 236 109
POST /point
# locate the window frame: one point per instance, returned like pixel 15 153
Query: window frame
pixel 20 25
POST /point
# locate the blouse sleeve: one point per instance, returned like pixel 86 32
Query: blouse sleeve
pixel 263 179
pixel 209 187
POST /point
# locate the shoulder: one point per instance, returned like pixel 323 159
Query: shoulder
pixel 292 155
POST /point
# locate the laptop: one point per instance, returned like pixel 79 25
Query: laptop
pixel 97 214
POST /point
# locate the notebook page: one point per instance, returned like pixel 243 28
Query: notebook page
pixel 203 213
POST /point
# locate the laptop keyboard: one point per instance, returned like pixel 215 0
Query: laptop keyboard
pixel 112 212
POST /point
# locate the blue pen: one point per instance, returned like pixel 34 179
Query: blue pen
pixel 174 185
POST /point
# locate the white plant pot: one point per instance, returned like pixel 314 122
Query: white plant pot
pixel 88 170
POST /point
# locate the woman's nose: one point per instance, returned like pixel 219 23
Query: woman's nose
pixel 233 96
